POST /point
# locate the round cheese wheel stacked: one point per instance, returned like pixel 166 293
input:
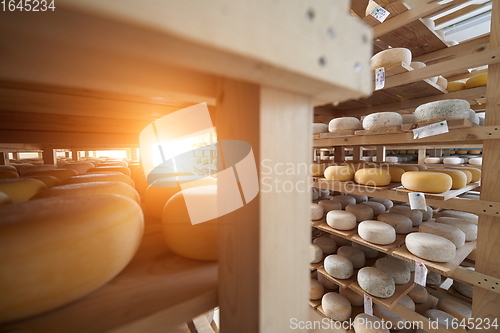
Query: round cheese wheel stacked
pixel 21 189
pixel 442 82
pixel 362 212
pixel 454 308
pixel 401 224
pixel 476 161
pixel 445 320
pixel 469 229
pixel 327 245
pixel 427 213
pixel 430 247
pixel 316 212
pixel 443 110
pixel 469 217
pixel 99 177
pixel 356 256
pixel 359 197
pixel 344 123
pixel 336 306
pixel 455 86
pixel 377 232
pixel 70 246
pixel 453 160
pixel 419 294
pixel 395 269
pixel 316 253
pixel 344 200
pixel 382 120
pixel 341 220
pixel 327 284
pixel 477 81
pixel 338 266
pixel 364 323
pixel 61 174
pixel 415 215
pixel 433 160
pixel 453 234
pixel 368 251
pixel 391 57
pixel 458 178
pixel 316 290
pixel 386 202
pixel 339 173
pixel 373 177
pixel 429 182
pixel 377 207
pixel 329 205
pixel 375 282
pixel 319 128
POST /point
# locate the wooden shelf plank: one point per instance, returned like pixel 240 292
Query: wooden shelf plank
pixel 452 124
pixel 344 283
pixel 385 130
pixel 442 196
pixel 429 304
pixel 349 186
pixel 400 239
pixel 347 234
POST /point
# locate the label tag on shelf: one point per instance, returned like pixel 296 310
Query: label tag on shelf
pixel 380 13
pixel 417 201
pixel 420 273
pixel 368 304
pixel 379 78
pixel 430 130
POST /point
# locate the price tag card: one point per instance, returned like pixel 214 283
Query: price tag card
pixel 379 78
pixel 417 201
pixel 430 130
pixel 368 305
pixel 420 273
pixel 380 13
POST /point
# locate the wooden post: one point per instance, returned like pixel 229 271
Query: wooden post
pixel 49 156
pixel 380 153
pixel 357 153
pixel 485 304
pixel 15 155
pixel 74 155
pixel 4 158
pixel 421 155
pixel 87 153
pixel 66 154
pixel 339 154
pixel 263 263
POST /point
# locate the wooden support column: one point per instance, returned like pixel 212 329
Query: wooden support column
pixel 74 155
pixel 421 155
pixel 263 245
pixel 87 153
pixel 357 153
pixel 49 156
pixel 4 158
pixel 339 154
pixel 485 304
pixel 66 154
pixel 15 155
pixel 381 154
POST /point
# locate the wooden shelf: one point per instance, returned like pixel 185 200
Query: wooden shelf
pixel 155 283
pixel 388 249
pixel 350 186
pixel 344 283
pixel 347 234
pixel 441 196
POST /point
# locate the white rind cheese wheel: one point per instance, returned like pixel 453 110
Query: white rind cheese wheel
pixel 409 118
pixel 344 123
pixel 434 278
pixel 368 251
pixel 395 269
pixel 359 198
pixel 339 173
pixel 375 282
pixel 316 253
pixel 445 109
pixel 453 160
pixel 445 320
pixel 356 256
pixel 391 57
pixel 362 212
pixel 344 200
pixel 21 189
pixel 364 323
pixel 329 205
pixel 386 202
pixel 414 215
pixel 469 217
pixel 427 214
pixel 402 224
pixel 336 306
pixel 476 161
pixel 341 220
pixel 469 229
pixel 377 232
pixel 419 294
pixel 382 120
pixel 393 319
pixel 354 298
pixel 316 212
pixel 70 247
pixel 430 247
pixel 428 182
pixel 327 245
pixel 454 308
pixel 339 267
pixel 373 177
pixel 327 284
pixel 377 207
pixel 319 128
pixel 316 290
pixel 455 235
pixel 433 160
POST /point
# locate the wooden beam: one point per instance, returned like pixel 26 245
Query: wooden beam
pixel 466 76
pixel 49 156
pixel 457 13
pixel 4 158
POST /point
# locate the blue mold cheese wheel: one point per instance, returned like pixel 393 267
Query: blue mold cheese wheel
pixel 55 250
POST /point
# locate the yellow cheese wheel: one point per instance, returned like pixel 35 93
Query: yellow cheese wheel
pixel 475 172
pixel 19 166
pixel 408 167
pixel 396 173
pixel 99 169
pixel 477 81
pixel 110 176
pixel 30 168
pixel 458 178
pixel 4 199
pixel 56 250
pixel 430 182
pixel 455 86
pixel 339 172
pixel 90 188
pixel 161 190
pixel 8 174
pixel 114 163
pixel 50 181
pixel 61 174
pixel 194 241
pixel 8 168
pixel 21 189
pixel 80 167
pixel 373 177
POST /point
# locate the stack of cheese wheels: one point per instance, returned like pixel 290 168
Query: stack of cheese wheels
pixel 327 245
pixel 377 232
pixel 395 269
pixel 373 177
pixel 336 306
pixel 452 233
pixel 382 120
pixel 316 253
pixel 21 189
pixel 316 290
pixel 455 86
pixel 458 177
pixel 339 172
pixel 430 247
pixel 429 182
pixel 375 282
pixel 83 240
pixel 338 266
pixel 477 81
pixel 318 128
pixel 391 57
pixel 344 123
pixel 443 110
pixel 99 177
pixel 469 229
pixel 316 212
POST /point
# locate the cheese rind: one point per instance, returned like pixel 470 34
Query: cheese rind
pixel 356 256
pixel 344 200
pixel 338 266
pixel 316 212
pixel 477 81
pixel 319 128
pixel 382 120
pixel 454 308
pixel 469 229
pixel 455 86
pixel 377 207
pixel 315 253
pixel 445 109
pixel 458 177
pixel 375 282
pixel 429 182
pixel 415 215
pixel 430 247
pixel 373 177
pixel 329 205
pixel 419 294
pixel 475 172
pixel 368 251
pixel 336 306
pixel 395 269
pixel 469 217
pixel 316 290
pixel 386 202
pixel 362 212
pixel 344 123
pixel 21 189
pixel 377 232
pixel 327 245
pixel 452 233
pixel 341 220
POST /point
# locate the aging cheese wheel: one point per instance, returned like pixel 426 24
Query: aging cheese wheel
pixel 30 168
pixel 454 308
pixel 391 318
pixel 339 172
pixel 80 167
pixel 458 178
pixel 419 294
pixel 430 247
pixel 414 215
pixel 368 251
pixel 391 57
pixel 408 167
pixel 362 212
pixel 356 256
pixel 407 302
pixel 395 269
pixel 401 223
pixel 373 177
pixel 317 170
pixel 344 123
pixel 327 245
pixel 475 172
pixel 344 200
pixel 341 220
pixel 375 282
pixel 454 234
pixel 427 214
pixel 319 128
pixel 21 189
pixel 377 207
pixel 396 173
pixel 329 205
pixel 324 193
pixel 4 199
pixel 433 160
pixel 477 81
pixel 99 177
pixel 469 229
pixel 364 323
pixel 8 168
pixel 382 120
pixel 353 297
pixel 377 232
pixel 316 253
pixel 339 240
pixel 327 284
pixel 442 82
pixel 476 161
pixel 8 174
pixel 455 86
pixel 316 290
pixel 61 174
pixel 70 247
pixel 469 217
pixel 463 288
pixel 338 266
pixel 445 320
pixel 433 278
pixel 386 202
pixel 49 181
pixel 336 306
pixel 444 109
pixel 409 118
pixel 359 198
pixel 100 169
pixel 316 212
pixel 429 182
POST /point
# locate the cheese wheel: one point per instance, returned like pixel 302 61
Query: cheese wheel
pixel 376 282
pixel 393 320
pixel 475 172
pixel 430 247
pixel 100 169
pixel 395 269
pixel 61 174
pixel 454 308
pixel 429 182
pixel 427 213
pixel 327 284
pixel 476 161
pixel 30 168
pixel 458 178
pixel 319 128
pixel 341 220
pixel 444 109
pixel 469 217
pixel 316 290
pixel 419 294
pixel 386 202
pixel 455 86
pixel 364 323
pixel 368 251
pixel 433 160
pixel 327 245
pixel 453 160
pixel 417 64
pixel 373 177
pixel 377 232
pixel 344 123
pixel 463 288
pixel 329 205
pixel 344 200
pixel 316 253
pixel 339 173
pixel 316 212
pixel 359 198
pixel 21 189
pixel 442 82
pixel 362 212
pixel 469 229
pixel 340 241
pixel 409 118
pixel 70 247
pixel 49 181
pixel 445 320
pixel 339 267
pixel 4 199
pixel 356 256
pixel 354 298
pixel 391 57
pixel 315 194
pixel 8 168
pixel 80 167
pixel 401 224
pixel 324 193
pixel 382 120
pixel 195 241
pixel 408 167
pixel 407 302
pixel 336 306
pixel 433 278
pixel 99 177
pixel 317 170
pixel 477 81
pixel 91 188
pixel 453 234
pixel 396 173
pixel 8 174
pixel 414 215
pixel 377 207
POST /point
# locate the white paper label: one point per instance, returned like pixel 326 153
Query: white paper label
pixel 380 13
pixel 417 201
pixel 430 130
pixel 420 273
pixel 368 305
pixel 379 78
